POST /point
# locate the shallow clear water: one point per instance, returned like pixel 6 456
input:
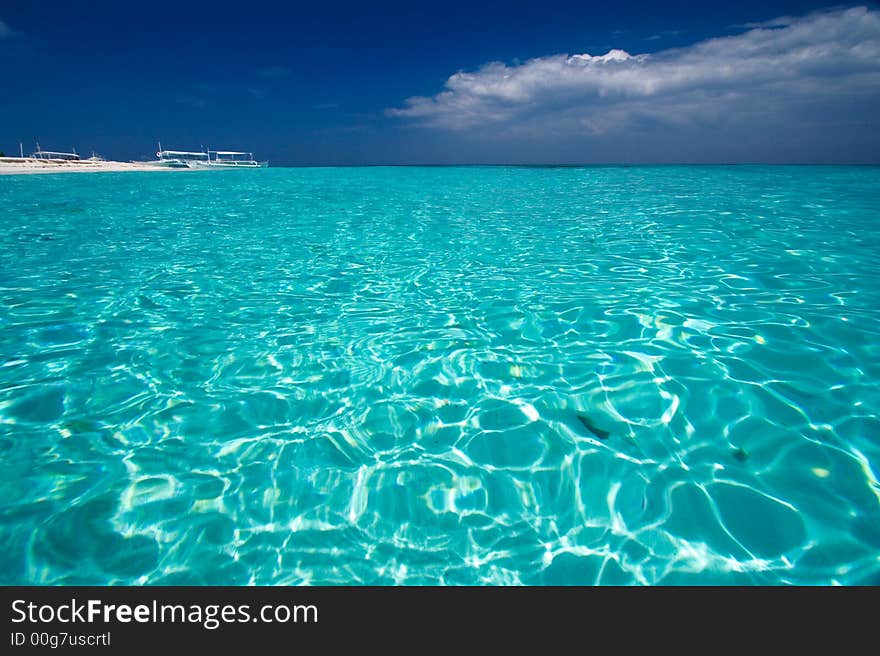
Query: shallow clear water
pixel 450 375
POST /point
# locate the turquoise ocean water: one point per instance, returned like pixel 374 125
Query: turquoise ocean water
pixel 441 375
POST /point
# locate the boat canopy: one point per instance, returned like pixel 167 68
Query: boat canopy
pixel 228 152
pixel 163 153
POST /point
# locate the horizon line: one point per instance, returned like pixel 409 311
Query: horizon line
pixel 565 165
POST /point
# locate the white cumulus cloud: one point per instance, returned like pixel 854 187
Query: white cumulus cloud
pixel 811 69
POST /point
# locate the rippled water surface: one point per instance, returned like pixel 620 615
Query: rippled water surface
pixel 454 375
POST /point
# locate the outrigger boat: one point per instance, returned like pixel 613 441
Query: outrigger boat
pixel 210 159
pixel 54 155
pixel 178 159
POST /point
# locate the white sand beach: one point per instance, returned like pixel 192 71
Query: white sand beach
pixel 26 165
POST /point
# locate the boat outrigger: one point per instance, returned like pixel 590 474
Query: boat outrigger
pixel 231 159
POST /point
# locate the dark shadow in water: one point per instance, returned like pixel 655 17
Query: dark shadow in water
pixel 595 430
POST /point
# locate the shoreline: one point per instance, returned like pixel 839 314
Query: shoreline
pixel 28 166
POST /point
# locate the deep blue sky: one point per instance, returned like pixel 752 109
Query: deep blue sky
pixel 311 83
